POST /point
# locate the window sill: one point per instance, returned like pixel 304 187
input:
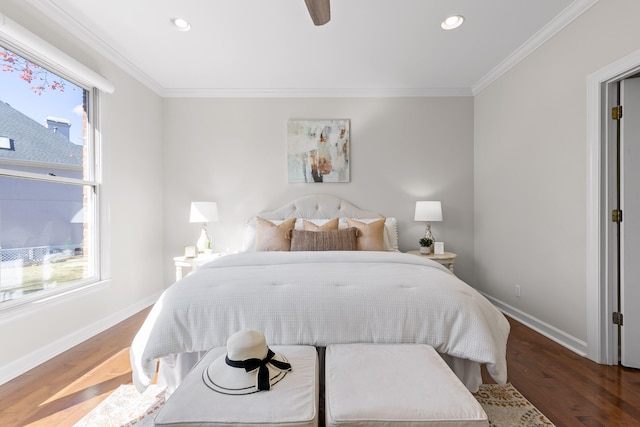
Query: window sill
pixel 18 308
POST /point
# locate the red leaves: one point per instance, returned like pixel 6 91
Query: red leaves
pixel 13 63
pixel 27 74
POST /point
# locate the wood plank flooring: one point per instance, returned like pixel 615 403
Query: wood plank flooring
pixel 568 389
pixel 64 389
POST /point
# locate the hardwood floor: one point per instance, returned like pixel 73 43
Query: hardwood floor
pixel 571 390
pixel 64 389
pixel 568 389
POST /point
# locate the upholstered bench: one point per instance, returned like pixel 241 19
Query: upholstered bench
pixel 395 385
pixel 292 400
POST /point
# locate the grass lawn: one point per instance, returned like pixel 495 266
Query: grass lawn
pixel 41 276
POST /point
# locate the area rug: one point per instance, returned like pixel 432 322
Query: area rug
pixel 506 407
pixel 126 407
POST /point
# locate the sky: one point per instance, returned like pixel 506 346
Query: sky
pixel 66 105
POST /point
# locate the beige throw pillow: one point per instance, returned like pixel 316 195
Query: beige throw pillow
pixel 332 224
pixel 272 237
pixel 332 240
pixel 370 236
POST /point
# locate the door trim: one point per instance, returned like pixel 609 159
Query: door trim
pixel 601 280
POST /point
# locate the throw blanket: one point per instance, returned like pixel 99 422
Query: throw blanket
pixel 322 298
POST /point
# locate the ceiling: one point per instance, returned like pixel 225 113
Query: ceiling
pixel 271 47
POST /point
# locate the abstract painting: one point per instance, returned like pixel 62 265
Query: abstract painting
pixel 318 150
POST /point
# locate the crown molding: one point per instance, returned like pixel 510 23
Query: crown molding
pixel 316 93
pixel 571 12
pixel 24 42
pixel 81 32
pixel 78 30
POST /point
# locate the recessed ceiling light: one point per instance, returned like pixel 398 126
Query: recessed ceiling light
pixel 181 24
pixel 452 22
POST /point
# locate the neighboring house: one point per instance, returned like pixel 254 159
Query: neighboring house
pixel 29 146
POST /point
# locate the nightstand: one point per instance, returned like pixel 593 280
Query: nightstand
pixel 192 263
pixel 447 259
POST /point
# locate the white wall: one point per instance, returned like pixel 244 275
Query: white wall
pixel 132 136
pixel 233 151
pixel 530 169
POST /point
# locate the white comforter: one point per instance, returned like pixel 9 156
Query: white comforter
pixel 321 298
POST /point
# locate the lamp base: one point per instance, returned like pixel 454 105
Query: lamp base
pixel 204 242
pixel 428 234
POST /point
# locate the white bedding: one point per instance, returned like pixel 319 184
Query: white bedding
pixel 322 298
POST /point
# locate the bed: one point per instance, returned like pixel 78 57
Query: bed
pixel 321 297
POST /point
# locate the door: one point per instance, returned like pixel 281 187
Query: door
pixel 630 225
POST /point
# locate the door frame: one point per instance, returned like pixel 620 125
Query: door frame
pixel 601 279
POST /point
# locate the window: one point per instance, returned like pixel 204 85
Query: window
pixel 6 143
pixel 48 185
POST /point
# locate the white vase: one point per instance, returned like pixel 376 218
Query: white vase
pixel 425 250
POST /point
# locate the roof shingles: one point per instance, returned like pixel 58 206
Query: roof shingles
pixel 35 143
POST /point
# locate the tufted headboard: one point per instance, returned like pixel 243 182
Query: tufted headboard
pixel 319 206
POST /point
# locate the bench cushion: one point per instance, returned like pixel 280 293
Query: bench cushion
pixel 395 385
pixel 293 402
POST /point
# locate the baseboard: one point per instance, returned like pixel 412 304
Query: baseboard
pixel 564 339
pixel 24 364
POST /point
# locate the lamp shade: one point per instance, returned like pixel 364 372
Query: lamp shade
pixel 204 212
pixel 428 211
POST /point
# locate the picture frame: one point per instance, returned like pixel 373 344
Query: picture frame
pixel 190 252
pixel 318 151
pixel 438 248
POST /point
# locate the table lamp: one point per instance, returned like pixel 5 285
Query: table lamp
pixel 204 212
pixel 428 211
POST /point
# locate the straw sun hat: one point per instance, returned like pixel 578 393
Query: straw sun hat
pixel 248 367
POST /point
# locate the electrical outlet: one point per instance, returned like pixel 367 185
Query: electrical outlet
pixel 518 291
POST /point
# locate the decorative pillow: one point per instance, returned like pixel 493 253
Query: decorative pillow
pixel 332 224
pixel 331 240
pixel 370 236
pixel 272 237
pixel 390 233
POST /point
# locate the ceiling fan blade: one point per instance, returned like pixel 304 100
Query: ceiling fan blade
pixel 319 10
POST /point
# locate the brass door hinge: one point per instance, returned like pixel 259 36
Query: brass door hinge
pixel 616 112
pixel 617 318
pixel 616 215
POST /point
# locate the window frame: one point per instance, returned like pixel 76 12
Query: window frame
pixel 30 47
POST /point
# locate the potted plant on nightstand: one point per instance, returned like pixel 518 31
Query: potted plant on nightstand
pixel 425 245
pixel 208 247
